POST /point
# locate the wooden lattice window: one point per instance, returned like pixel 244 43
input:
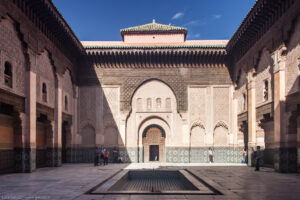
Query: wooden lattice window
pixel 44 92
pixel 266 90
pixel 66 103
pixel 8 74
pixel 244 102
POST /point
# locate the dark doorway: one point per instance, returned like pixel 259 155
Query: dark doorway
pixel 64 142
pixel 41 141
pixel 154 153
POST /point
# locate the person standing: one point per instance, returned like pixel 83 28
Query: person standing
pixel 106 154
pixel 96 157
pixel 258 157
pixel 115 155
pixel 210 155
pixel 246 156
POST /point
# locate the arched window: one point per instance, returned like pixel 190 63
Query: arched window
pixel 168 103
pixel 158 103
pixel 8 74
pixel 139 104
pixel 66 103
pixel 266 90
pixel 44 92
pixel 149 103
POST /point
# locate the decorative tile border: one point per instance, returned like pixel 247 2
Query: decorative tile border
pixel 6 161
pixel 200 155
pixel 285 160
pixel 173 155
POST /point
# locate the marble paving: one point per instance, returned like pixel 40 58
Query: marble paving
pixel 73 181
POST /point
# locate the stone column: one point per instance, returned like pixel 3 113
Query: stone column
pixel 19 137
pixel 30 131
pixel 235 120
pixel 279 109
pixel 50 143
pixel 75 125
pixel 251 115
pixel 58 123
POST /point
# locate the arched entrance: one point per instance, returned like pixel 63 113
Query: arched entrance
pixel 154 138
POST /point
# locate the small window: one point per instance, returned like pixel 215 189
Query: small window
pixel 44 92
pixel 244 101
pixel 66 103
pixel 158 103
pixel 168 103
pixel 8 74
pixel 139 104
pixel 149 103
pixel 266 90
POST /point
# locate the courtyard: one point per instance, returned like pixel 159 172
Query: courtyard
pixel 75 181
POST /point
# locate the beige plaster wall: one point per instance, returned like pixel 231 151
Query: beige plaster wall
pixel 166 116
pixel 210 116
pixel 99 109
pixel 154 38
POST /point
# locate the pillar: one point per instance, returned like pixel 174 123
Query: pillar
pixel 30 130
pixel 58 123
pixel 50 143
pixel 280 150
pixel 234 118
pixel 251 115
pixel 19 133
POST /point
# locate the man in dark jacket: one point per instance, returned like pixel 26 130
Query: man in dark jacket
pixel 258 157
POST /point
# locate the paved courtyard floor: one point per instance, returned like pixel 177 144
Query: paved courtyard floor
pixel 73 181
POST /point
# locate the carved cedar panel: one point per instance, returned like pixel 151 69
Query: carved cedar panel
pixel 87 109
pixel 221 104
pixel 293 62
pixel 242 89
pixel 197 105
pixel 45 75
pixel 111 104
pixel 67 87
pixel 12 51
pixel 264 72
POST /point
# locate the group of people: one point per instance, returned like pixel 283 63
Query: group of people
pixel 102 156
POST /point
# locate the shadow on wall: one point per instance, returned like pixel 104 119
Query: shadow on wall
pixel 98 117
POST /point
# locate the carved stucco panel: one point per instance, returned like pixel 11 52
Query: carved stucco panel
pixel 175 82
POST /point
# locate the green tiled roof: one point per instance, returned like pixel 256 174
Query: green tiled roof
pixel 154 27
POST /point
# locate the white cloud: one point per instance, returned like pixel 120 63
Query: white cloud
pixel 217 16
pixel 197 35
pixel 178 15
pixel 194 36
pixel 195 23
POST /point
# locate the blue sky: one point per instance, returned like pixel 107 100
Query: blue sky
pixel 101 20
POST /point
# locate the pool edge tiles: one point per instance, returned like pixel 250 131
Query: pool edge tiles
pixel 115 183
